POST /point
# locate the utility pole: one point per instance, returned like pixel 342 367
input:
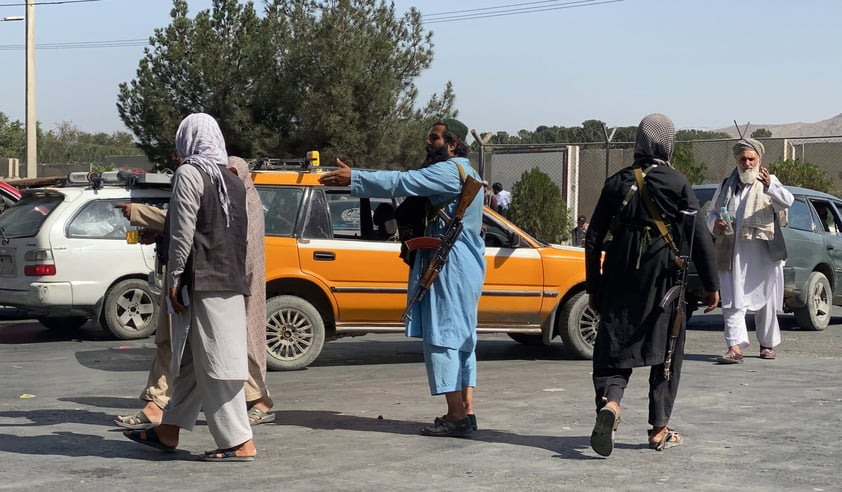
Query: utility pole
pixel 31 121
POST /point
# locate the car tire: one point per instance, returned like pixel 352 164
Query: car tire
pixel 295 333
pixel 526 339
pixel 63 323
pixel 577 326
pixel 815 316
pixel 130 310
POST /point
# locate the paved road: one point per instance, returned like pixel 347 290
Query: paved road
pixel 350 421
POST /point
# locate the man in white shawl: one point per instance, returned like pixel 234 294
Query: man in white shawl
pixel 750 255
pixel 206 280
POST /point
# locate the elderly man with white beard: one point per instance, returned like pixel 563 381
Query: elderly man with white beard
pixel 750 254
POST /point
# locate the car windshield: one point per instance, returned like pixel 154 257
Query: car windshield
pixel 24 218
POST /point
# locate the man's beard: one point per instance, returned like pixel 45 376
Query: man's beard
pixel 749 176
pixel 435 155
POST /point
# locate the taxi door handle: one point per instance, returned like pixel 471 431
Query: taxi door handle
pixel 324 256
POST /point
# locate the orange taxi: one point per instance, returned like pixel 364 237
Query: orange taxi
pixel 333 270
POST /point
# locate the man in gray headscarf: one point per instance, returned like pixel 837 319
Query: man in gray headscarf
pixel 206 230
pixel 750 251
pixel 639 268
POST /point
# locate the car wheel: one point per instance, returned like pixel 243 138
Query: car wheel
pixel 527 339
pixel 577 326
pixel 63 323
pixel 815 316
pixel 295 333
pixel 130 310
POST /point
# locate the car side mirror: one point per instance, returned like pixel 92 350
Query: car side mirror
pixel 514 240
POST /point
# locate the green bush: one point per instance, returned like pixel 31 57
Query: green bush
pixel 792 172
pixel 538 208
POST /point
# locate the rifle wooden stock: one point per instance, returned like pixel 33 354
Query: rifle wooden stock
pixel 470 188
pixel 424 242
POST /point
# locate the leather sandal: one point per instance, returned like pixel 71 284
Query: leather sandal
pixel 669 439
pixel 730 357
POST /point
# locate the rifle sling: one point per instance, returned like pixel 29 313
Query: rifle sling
pixel 653 210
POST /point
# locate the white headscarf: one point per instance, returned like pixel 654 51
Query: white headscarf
pixel 199 141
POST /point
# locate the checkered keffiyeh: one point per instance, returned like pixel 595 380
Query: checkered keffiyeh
pixel 655 139
pixel 199 141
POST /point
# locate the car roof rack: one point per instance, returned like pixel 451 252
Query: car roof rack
pixel 125 178
pixel 302 164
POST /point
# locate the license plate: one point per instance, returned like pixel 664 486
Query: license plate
pixel 7 265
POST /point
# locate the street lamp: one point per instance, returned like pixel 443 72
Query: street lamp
pixel 11 18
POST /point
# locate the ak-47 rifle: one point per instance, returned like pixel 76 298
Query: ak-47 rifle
pixel 676 294
pixel 442 244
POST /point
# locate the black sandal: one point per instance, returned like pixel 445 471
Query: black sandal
pixel 602 437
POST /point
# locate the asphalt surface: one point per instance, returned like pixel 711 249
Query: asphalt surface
pixel 350 421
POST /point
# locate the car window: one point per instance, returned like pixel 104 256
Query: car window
pixel 99 219
pixel 799 216
pixel 345 217
pixel 280 208
pixel 828 216
pixel 316 221
pixel 24 218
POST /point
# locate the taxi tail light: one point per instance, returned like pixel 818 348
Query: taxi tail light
pixel 44 267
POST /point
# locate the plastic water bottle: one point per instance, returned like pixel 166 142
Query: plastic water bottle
pixel 724 215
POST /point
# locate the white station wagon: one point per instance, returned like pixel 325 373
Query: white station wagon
pixel 64 258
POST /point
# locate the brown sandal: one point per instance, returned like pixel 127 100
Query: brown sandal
pixel 730 357
pixel 669 439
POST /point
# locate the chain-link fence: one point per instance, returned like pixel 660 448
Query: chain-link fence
pixel 580 169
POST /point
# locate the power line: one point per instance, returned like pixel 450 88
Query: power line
pixel 461 15
pixel 487 9
pixel 517 10
pixel 117 43
pixel 55 2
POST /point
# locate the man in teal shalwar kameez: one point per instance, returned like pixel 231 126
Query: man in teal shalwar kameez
pixel 446 318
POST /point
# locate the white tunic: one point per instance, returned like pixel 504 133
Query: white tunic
pixel 755 279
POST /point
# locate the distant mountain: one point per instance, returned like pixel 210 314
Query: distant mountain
pixel 826 128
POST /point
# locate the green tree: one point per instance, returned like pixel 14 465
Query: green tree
pixel 761 133
pixel 683 135
pixel 684 161
pixel 793 172
pixel 538 208
pixel 12 138
pixel 333 76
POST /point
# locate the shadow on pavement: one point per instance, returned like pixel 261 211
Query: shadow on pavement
pixel 374 352
pixel 57 416
pixel 84 445
pixel 105 401
pixel 567 447
pixel 117 359
pixel 713 322
pixel 30 331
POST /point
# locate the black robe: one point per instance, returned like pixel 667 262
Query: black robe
pixel 636 273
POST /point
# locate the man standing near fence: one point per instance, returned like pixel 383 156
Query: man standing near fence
pixel 504 198
pixel 750 252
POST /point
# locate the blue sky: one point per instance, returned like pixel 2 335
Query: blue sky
pixel 704 63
